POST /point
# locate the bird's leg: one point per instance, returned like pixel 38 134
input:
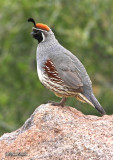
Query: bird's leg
pixel 61 103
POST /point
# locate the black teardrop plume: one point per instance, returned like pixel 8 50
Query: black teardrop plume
pixel 32 20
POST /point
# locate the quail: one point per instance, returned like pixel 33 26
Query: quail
pixel 60 71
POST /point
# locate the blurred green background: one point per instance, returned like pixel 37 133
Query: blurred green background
pixel 84 27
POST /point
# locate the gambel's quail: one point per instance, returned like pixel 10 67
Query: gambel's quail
pixel 61 71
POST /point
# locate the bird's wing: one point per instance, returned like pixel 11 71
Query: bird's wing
pixel 67 71
pixel 70 78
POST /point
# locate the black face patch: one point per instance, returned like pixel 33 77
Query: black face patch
pixel 37 34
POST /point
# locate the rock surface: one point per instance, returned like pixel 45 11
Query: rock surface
pixel 60 133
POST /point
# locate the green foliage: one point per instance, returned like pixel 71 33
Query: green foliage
pixel 83 27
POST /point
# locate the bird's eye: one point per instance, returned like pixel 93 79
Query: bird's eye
pixel 36 31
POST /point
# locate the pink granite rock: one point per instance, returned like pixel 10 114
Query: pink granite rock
pixel 60 133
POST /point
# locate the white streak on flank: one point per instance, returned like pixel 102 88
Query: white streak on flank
pixel 55 87
pixel 85 99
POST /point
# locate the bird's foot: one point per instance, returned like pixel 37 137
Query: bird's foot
pixel 61 103
pixel 57 104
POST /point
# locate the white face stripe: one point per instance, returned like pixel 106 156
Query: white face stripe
pixel 39 29
pixel 43 37
pixel 41 32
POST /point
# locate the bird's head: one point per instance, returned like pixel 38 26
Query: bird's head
pixel 40 31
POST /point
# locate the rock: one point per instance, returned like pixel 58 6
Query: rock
pixel 60 133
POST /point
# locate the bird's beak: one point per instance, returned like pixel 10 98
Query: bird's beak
pixel 34 32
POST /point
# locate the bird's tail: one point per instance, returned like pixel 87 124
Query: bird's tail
pixel 91 99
